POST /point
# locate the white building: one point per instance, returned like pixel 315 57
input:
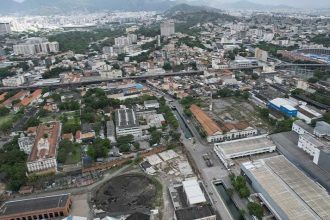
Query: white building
pixel 24 49
pixel 310 145
pixel 151 104
pixel 193 192
pixel 107 71
pixel 36 46
pixel 25 144
pixel 122 41
pixel 241 148
pixel 13 81
pixel 301 127
pixel 127 123
pixel 167 28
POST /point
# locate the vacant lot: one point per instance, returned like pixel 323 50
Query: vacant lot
pixel 234 110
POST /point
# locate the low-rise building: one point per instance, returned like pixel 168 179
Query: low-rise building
pixel 283 106
pixel 25 144
pixel 42 158
pixel 286 190
pixel 319 150
pixel 190 201
pixel 127 123
pixel 151 104
pixel 322 129
pixel 241 148
pixel 307 114
pixel 227 131
pixel 301 127
pixel 48 207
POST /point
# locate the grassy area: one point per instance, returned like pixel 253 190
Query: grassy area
pixel 69 153
pixel 6 119
pixel 159 191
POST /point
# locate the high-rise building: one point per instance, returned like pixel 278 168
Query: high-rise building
pixel 5 28
pixel 261 55
pixel 35 46
pixel 122 41
pixel 167 28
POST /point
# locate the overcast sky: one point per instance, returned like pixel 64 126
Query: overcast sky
pixel 293 3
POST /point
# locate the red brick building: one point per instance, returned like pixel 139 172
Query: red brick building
pixel 48 207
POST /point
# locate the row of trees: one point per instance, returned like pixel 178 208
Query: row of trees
pixel 168 114
pixel 13 166
pixel 239 184
pixel 226 92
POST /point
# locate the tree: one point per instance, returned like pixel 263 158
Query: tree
pixel 13 165
pixel 99 148
pixel 167 66
pixel 116 66
pixel 255 209
pixel 4 111
pixel 312 80
pixel 264 112
pixel 155 137
pixel 32 122
pixel 124 142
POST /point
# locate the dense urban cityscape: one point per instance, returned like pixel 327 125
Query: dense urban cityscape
pixel 164 110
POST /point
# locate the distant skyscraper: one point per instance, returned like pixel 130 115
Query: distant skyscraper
pixel 158 41
pixel 5 28
pixel 167 28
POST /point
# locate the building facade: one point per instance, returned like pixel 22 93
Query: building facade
pixel 5 28
pixel 49 207
pixel 167 28
pixel 36 46
pixel 13 81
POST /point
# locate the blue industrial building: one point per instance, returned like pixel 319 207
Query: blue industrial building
pixel 283 106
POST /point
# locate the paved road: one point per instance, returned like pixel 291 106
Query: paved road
pixel 196 148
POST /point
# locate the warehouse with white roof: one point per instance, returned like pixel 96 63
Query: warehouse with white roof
pixel 241 148
pixel 193 192
pixel 286 190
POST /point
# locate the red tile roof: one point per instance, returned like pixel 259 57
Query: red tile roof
pixel 52 130
pixel 209 126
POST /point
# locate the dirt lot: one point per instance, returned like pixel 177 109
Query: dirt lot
pixel 126 194
pixel 233 110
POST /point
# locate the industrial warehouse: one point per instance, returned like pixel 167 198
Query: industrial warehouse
pixel 227 131
pixel 286 190
pixel 242 148
pixel 37 208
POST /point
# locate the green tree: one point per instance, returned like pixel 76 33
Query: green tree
pixel 155 137
pixel 255 209
pixel 32 122
pixel 4 111
pixel 167 66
